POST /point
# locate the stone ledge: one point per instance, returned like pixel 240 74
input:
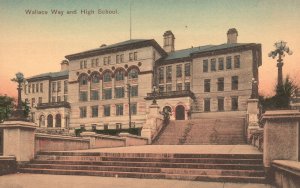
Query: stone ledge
pixel 59 137
pixel 281 114
pixel 18 124
pixel 6 158
pixel 292 167
pixel 132 136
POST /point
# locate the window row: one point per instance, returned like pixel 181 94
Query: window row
pixel 59 98
pixel 107 76
pixel 56 86
pixel 107 60
pixel 220 103
pixel 179 87
pixel 107 93
pixel 119 110
pixel 220 66
pixel 34 88
pixel 168 73
pixel 220 84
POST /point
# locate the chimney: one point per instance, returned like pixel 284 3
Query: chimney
pixel 232 36
pixel 169 41
pixel 64 65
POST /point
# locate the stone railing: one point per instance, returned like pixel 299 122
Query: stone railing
pixel 257 139
pixel 103 141
pixel 286 173
pixel 47 142
pixel 8 165
pixel 133 140
pixel 53 105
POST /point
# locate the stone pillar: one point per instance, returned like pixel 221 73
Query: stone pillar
pixel 18 140
pixel 281 129
pixel 91 136
pixel 252 114
pixel 150 126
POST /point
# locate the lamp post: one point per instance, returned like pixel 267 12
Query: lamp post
pixel 18 114
pixel 154 96
pixel 280 49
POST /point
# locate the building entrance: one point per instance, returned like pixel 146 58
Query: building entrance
pixel 180 112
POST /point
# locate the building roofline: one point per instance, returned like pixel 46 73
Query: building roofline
pixel 116 48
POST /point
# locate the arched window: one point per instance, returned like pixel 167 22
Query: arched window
pixel 58 120
pixel 119 75
pixel 133 74
pixel 42 121
pixel 50 121
pixel 95 78
pixel 107 77
pixel 83 80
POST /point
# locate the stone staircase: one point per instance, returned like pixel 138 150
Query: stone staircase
pixel 198 167
pixel 203 131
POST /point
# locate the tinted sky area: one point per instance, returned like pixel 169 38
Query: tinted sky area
pixel 36 44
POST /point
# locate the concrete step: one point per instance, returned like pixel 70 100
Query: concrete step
pixel 155 164
pixel 151 159
pixel 219 178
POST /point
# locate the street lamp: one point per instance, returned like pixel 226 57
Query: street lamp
pixel 280 49
pixel 18 114
pixel 154 96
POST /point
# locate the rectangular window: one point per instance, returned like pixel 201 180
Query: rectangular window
pixel 118 125
pixel 66 86
pixel 40 100
pixel 53 99
pixel 58 86
pixel 58 99
pixel 105 61
pixel 117 58
pixel 97 62
pixel 119 109
pixel 187 69
pixel 161 88
pixel 25 89
pixel 105 127
pixel 221 104
pixel 213 65
pixel 130 56
pixel 187 86
pixel 169 74
pixel 81 64
pixel 108 60
pixel 221 63
pixel 82 112
pixel 135 55
pixel 84 64
pixel 237 63
pixel 32 102
pixel 234 83
pixel 94 95
pixel 93 63
pixel 179 87
pixel 107 93
pixel 53 86
pixel 83 96
pixel 37 88
pixel 66 98
pixel 228 62
pixel 119 92
pixel 94 111
pixel 207 85
pixel 29 88
pixel 133 108
pixel 169 87
pixel 134 91
pixel 33 88
pixel 234 103
pixel 178 71
pixel 161 75
pixel 205 65
pixel 220 84
pixel 41 88
pixel 121 58
pixel 206 105
pixel 106 110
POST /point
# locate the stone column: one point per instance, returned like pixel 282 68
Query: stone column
pixel 252 114
pixel 19 140
pixel 281 134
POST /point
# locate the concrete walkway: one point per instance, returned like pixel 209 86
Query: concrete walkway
pixel 62 181
pixel 202 149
